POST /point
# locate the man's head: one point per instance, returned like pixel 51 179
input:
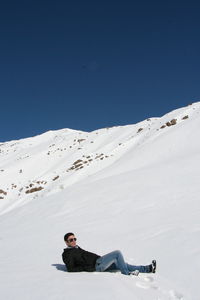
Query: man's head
pixel 70 239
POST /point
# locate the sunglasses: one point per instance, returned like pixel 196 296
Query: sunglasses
pixel 71 240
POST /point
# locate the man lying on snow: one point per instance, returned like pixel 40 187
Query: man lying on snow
pixel 77 260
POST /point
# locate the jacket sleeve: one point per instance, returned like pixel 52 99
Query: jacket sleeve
pixel 71 267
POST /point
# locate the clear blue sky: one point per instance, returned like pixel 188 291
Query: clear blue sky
pixel 92 64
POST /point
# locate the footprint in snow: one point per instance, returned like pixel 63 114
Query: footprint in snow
pixel 146 283
pixel 148 279
pixel 175 295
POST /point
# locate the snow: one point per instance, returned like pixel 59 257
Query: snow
pixel 135 190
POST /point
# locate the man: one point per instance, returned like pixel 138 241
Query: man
pixel 77 260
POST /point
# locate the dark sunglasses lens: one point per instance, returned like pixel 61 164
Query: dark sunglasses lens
pixel 71 240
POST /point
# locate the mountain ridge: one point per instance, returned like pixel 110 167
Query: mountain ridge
pixel 134 188
pixel 60 154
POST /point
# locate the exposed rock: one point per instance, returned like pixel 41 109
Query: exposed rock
pixel 80 140
pixel 3 192
pixel 163 126
pixel 77 161
pixel 172 122
pixel 78 165
pixel 33 190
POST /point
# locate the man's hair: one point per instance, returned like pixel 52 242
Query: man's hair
pixel 67 235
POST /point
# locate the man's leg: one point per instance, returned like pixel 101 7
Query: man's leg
pixel 141 269
pixel 116 257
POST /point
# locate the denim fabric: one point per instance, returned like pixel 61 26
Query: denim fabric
pixel 115 261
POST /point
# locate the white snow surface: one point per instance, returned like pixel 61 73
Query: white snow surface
pixel 132 188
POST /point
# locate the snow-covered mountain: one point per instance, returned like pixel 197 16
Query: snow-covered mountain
pixel 133 188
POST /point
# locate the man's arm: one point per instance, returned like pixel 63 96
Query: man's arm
pixel 69 261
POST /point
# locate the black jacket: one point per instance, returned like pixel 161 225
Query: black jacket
pixel 77 260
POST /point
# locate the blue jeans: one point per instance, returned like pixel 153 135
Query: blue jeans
pixel 115 261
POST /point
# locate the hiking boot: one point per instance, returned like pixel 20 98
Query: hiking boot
pixel 135 273
pixel 153 266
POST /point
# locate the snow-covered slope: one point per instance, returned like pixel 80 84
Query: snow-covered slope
pixel 133 188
